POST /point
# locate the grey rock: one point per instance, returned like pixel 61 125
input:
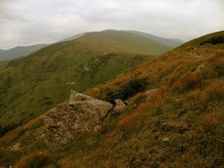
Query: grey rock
pixel 82 114
pixel 167 139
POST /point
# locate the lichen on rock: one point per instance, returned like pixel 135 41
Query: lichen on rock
pixel 81 114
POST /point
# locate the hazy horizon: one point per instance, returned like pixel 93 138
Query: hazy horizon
pixel 28 22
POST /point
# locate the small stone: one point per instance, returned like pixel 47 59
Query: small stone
pixel 16 147
pixel 119 106
pixel 167 139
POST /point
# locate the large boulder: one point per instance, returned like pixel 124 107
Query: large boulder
pixel 82 114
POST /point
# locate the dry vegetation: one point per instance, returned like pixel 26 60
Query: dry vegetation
pixel 36 160
pixel 175 120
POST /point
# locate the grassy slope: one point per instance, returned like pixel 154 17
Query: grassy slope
pixel 3 65
pixel 197 42
pixel 33 84
pixel 126 42
pixel 165 41
pixel 34 88
pixel 180 126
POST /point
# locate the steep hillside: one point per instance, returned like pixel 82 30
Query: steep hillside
pixel 123 41
pixel 31 85
pixel 19 51
pixel 130 36
pixel 174 118
pixel 216 38
pixel 3 65
pixel 74 37
pixel 129 41
pixel 168 42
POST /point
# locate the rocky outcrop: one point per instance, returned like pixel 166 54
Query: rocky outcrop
pixel 82 114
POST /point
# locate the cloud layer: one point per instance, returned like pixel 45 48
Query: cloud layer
pixel 25 22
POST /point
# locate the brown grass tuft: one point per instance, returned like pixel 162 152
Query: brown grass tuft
pixel 214 92
pixel 35 160
pixel 188 81
pixel 128 119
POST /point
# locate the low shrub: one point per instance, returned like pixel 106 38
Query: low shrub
pixel 67 164
pixel 126 91
pixel 213 123
pixel 214 92
pixel 127 120
pixel 37 160
pixel 210 136
pixel 137 99
pixel 187 82
pixel 5 83
pixel 6 128
pixel 8 157
pixel 214 40
pixel 214 66
pixel 218 64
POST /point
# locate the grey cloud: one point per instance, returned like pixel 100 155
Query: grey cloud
pixel 29 21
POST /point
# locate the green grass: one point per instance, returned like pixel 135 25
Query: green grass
pixel 31 85
pixel 207 39
pixel 35 84
pixel 126 42
pixel 3 65
pixel 180 125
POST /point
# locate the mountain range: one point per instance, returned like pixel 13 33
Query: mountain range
pixel 144 103
pixel 75 64
pixel 20 51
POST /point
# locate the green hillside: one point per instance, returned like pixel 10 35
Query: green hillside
pixel 123 41
pixel 166 41
pixel 19 51
pixel 212 39
pixel 130 41
pixel 3 65
pixel 175 120
pixel 31 85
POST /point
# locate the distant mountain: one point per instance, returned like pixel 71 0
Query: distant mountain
pixel 122 41
pixel 19 51
pixel 150 44
pixel 165 41
pixel 74 37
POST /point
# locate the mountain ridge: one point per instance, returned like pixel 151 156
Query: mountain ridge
pixel 19 51
pixel 75 64
pixel 166 41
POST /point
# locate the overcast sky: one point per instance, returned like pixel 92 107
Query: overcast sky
pixel 26 22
